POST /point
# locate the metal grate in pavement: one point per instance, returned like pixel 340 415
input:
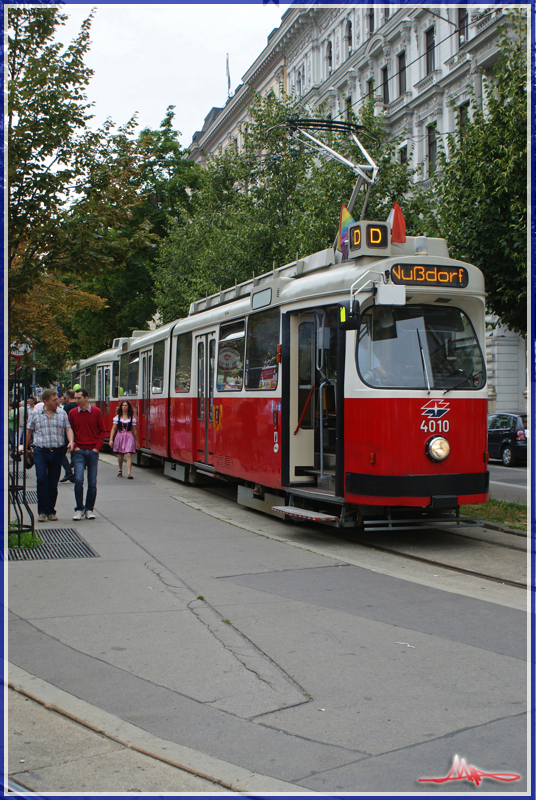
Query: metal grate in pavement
pixel 31 496
pixel 57 543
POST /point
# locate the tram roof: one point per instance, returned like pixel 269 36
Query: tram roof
pixel 314 278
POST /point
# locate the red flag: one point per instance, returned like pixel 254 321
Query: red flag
pixel 398 224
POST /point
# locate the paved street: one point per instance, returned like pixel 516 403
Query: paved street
pixel 508 483
pixel 264 656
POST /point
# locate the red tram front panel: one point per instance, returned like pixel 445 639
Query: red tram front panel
pixel 385 451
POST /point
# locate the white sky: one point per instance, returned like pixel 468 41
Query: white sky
pixel 146 57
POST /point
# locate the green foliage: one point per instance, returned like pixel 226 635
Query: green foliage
pixel 273 199
pixel 27 539
pixel 129 218
pixel 47 111
pixel 482 185
pixel 86 207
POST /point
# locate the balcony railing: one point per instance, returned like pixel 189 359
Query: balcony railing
pixel 430 79
pixel 456 60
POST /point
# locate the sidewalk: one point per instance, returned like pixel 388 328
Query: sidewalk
pixel 269 663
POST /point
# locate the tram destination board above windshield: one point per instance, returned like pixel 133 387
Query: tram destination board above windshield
pixel 450 277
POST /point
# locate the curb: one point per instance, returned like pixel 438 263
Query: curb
pixel 228 775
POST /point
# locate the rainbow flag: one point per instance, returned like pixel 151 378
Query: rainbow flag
pixel 345 220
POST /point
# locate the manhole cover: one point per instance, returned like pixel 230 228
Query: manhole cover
pixel 57 543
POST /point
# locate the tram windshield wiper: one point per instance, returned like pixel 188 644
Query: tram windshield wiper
pixel 466 378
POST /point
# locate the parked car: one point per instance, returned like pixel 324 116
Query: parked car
pixel 508 438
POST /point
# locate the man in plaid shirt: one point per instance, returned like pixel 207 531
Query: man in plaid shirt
pixel 48 426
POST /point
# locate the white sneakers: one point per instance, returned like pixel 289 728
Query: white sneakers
pixel 81 514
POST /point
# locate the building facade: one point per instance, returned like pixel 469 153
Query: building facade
pixel 421 65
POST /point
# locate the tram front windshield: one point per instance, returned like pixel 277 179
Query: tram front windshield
pixel 419 347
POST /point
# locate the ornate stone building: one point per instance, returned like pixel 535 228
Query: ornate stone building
pixel 420 63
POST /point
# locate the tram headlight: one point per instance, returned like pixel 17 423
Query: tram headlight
pixel 437 448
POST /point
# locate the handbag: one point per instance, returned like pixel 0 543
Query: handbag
pixel 29 458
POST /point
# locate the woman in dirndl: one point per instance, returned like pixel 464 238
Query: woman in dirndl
pixel 124 436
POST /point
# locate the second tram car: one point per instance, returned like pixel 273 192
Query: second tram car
pixel 329 389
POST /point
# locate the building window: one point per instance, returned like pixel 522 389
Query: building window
pixel 370 88
pixel 463 119
pixel 385 86
pixel 402 74
pixel 463 26
pixel 370 17
pixel 386 13
pixel 432 148
pixel 348 37
pixel 299 84
pixel 348 102
pixel 430 51
pixel 403 155
pixel 329 58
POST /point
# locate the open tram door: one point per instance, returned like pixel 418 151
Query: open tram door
pixel 205 360
pixel 313 404
pixel 144 411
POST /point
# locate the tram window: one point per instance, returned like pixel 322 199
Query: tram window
pixel 157 383
pixel 183 362
pixel 306 373
pixel 115 379
pixel 417 347
pixel 231 357
pixel 129 377
pixel 261 350
pixel 90 383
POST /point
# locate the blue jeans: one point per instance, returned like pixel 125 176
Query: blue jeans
pixel 47 474
pixel 81 460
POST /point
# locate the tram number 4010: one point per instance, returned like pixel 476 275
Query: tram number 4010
pixel 435 426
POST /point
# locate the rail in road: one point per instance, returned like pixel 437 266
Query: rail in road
pixel 500 556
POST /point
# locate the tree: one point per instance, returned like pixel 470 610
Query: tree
pixel 47 110
pixel 275 198
pixel 86 207
pixel 125 229
pixel 482 184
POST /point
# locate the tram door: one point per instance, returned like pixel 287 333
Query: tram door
pixel 145 398
pixel 206 363
pixel 99 393
pixel 316 356
pixel 107 389
pixel 303 398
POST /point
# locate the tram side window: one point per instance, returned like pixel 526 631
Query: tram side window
pixel 157 383
pixel 231 357
pixel 115 379
pixel 261 350
pixel 90 382
pixel 183 362
pixel 130 363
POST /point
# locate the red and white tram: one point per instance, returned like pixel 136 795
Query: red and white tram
pixel 330 389
pixel 334 388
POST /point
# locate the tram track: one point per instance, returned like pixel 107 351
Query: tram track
pixel 443 565
pixel 473 546
pixel 484 540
